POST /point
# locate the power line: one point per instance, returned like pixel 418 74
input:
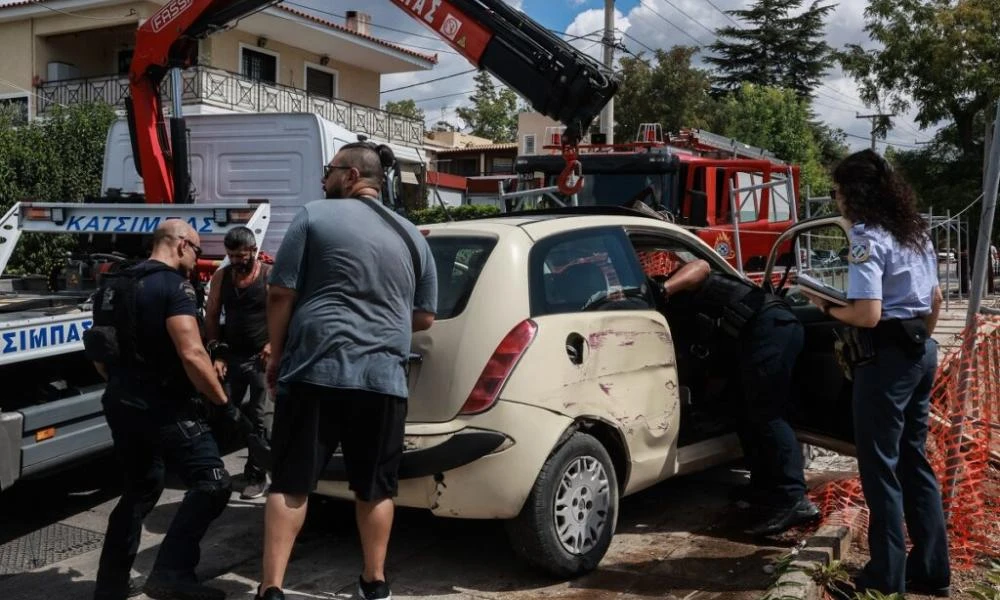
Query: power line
pixel 413 85
pixel 696 21
pixel 623 32
pixel 452 95
pixel 725 14
pixel 131 12
pixel 671 23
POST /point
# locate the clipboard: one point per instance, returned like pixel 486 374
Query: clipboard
pixel 818 288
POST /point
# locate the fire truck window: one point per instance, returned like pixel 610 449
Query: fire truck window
pixel 748 200
pixel 699 199
pixel 780 209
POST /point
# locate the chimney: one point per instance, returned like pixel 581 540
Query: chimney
pixel 359 22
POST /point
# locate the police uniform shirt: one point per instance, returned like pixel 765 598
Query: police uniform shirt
pixel 880 268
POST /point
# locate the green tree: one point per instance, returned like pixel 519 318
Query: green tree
pixel 938 56
pixel 667 90
pixel 406 108
pixel 493 114
pixel 59 158
pixel 774 48
pixel 778 120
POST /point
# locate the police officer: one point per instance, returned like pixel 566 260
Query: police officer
pixel 240 350
pixel 146 341
pixel 894 302
pixel 736 322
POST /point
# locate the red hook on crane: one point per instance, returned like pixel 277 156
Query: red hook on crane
pixel 571 179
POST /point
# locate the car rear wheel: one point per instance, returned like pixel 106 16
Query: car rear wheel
pixel 569 518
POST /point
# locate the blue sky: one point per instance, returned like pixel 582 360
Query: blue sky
pixel 641 25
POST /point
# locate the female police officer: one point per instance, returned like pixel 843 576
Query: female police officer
pixel 894 301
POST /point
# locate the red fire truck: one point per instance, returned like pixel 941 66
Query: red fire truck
pixel 737 197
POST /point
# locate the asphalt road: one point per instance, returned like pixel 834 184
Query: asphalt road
pixel 679 539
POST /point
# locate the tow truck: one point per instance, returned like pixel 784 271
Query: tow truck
pixel 50 413
pixel 737 198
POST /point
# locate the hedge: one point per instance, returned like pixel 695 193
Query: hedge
pixel 436 214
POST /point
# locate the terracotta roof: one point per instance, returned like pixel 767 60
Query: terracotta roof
pixel 481 147
pixel 428 57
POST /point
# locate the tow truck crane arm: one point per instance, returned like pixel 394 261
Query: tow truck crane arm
pixel 558 80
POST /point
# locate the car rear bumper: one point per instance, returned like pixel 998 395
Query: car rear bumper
pixel 477 467
pixel 457 450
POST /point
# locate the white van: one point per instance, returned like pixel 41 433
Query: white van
pixel 235 157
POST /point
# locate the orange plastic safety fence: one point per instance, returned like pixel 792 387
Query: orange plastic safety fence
pixel 963 447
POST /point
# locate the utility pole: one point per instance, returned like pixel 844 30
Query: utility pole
pixel 873 117
pixel 608 116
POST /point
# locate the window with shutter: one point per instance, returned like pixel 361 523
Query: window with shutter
pixel 259 66
pixel 321 83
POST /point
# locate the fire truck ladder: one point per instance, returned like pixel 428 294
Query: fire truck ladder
pixel 699 139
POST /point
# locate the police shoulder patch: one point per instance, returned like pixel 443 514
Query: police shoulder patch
pixel 188 289
pixel 861 251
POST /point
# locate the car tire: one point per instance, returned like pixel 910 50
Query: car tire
pixel 569 518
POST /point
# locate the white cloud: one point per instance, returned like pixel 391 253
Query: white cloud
pixel 588 28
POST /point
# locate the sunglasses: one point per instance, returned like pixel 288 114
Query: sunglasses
pixel 194 247
pixel 330 168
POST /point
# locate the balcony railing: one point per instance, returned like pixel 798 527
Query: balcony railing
pixel 222 89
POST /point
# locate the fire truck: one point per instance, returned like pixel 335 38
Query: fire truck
pixel 51 414
pixel 738 198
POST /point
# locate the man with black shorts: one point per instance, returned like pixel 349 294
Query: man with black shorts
pixel 350 283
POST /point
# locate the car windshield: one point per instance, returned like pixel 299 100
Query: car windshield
pixel 459 261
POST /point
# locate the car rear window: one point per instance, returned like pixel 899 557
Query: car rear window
pixel 459 261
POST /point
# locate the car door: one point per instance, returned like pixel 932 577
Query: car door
pixel 602 351
pixel 822 413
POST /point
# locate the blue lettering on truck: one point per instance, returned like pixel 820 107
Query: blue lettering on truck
pixel 44 336
pixel 136 224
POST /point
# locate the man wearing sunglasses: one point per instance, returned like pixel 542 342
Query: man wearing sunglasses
pixel 350 283
pixel 146 341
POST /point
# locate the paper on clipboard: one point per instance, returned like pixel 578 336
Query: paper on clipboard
pixel 818 288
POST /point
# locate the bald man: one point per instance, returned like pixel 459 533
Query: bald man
pixel 159 364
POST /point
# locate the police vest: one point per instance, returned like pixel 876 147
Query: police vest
pixel 728 303
pixel 112 339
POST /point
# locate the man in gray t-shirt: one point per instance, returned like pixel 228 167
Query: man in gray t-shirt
pixel 343 302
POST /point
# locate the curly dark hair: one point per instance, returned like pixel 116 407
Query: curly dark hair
pixel 873 194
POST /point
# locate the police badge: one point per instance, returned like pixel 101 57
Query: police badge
pixel 861 251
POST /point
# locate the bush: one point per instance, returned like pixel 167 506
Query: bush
pixel 436 214
pixel 58 158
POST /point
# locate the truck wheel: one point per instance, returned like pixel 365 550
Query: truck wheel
pixel 569 518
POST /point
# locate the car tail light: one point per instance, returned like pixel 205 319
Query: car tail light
pixel 499 367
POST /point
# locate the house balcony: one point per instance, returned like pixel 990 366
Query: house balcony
pixel 206 86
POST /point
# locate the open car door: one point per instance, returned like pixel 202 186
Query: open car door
pixel 822 414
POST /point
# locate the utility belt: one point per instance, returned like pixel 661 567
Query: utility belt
pixel 859 346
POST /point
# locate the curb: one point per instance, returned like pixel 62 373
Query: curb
pixel 828 544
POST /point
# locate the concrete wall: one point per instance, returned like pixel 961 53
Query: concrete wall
pixel 533 124
pixel 353 84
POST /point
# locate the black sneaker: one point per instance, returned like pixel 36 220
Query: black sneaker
pixel 376 590
pixel 181 590
pixel 782 519
pixel 271 593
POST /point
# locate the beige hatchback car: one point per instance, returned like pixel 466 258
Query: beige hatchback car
pixel 551 385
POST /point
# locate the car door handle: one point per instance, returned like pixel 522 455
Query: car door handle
pixel 574 348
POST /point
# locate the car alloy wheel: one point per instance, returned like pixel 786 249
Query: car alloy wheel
pixel 580 511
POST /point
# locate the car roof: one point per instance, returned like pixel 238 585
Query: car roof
pixel 561 219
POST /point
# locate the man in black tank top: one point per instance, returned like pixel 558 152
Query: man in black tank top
pixel 240 348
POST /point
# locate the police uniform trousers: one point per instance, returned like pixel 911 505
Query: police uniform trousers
pixel 770 346
pixel 891 406
pixel 145 445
